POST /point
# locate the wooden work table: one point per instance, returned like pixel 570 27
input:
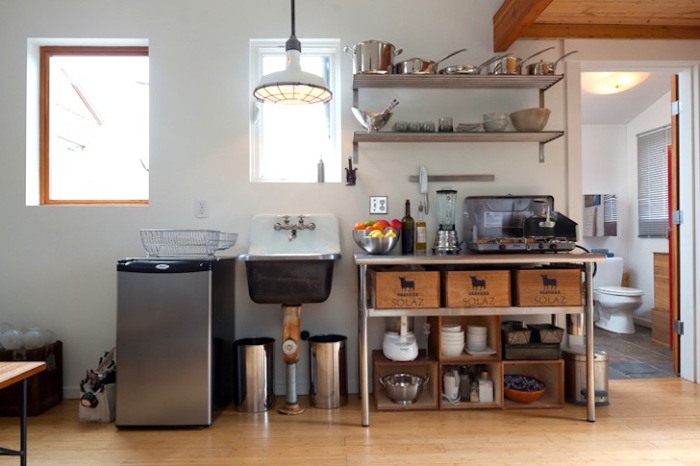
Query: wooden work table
pixel 11 373
pixel 366 262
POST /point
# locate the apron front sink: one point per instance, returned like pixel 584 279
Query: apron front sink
pixel 290 259
pixel 290 280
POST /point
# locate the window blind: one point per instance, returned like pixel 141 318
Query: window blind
pixel 609 214
pixel 652 177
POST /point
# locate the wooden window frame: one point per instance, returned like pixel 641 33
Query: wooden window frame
pixel 45 54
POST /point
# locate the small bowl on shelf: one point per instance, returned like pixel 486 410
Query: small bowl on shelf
pixel 495 122
pixel 377 245
pixel 523 388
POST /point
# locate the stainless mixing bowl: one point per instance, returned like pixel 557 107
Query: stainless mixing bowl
pixel 403 388
pixel 376 245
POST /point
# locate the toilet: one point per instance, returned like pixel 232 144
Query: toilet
pixel 614 304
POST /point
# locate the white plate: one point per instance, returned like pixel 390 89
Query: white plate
pixel 487 352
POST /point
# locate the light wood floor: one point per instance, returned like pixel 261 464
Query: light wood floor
pixel 648 422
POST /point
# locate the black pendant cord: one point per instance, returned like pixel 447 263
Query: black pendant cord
pixel 293 43
pixel 293 19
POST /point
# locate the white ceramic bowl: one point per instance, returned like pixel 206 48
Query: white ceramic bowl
pixel 452 352
pixel 451 328
pixel 476 330
pixel 453 341
pixel 530 119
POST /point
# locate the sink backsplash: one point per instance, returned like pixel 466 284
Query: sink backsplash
pixel 324 238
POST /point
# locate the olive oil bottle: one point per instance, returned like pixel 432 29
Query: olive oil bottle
pixel 421 231
pixel 408 231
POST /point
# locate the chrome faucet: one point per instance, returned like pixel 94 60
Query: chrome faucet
pixel 287 225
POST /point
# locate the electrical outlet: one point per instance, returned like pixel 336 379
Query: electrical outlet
pixel 201 209
pixel 378 205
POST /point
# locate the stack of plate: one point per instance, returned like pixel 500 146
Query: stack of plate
pixel 452 338
pixel 476 338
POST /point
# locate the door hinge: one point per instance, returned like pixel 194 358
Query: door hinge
pixel 677 217
pixel 678 327
pixel 675 108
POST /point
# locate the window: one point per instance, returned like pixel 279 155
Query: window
pixel 94 125
pixel 287 141
pixel 652 176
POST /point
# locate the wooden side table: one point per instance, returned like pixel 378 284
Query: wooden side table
pixel 11 373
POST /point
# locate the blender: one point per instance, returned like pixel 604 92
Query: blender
pixel 446 241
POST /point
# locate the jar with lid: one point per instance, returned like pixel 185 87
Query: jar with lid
pixel 485 387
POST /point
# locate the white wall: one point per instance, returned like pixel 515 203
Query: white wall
pixel 63 258
pixel 60 269
pixel 610 167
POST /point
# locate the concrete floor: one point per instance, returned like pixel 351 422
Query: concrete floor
pixel 634 356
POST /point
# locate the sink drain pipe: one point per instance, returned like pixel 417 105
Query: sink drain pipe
pixel 291 321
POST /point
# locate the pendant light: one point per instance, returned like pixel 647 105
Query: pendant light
pixel 292 86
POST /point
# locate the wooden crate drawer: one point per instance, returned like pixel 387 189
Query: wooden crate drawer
pixel 547 287
pixel 406 290
pixel 477 288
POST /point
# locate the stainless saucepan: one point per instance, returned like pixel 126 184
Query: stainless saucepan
pixel 373 57
pixel 469 69
pixel 510 64
pixel 546 67
pixel 421 66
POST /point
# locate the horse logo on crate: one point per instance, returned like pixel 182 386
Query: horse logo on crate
pixel 477 284
pixel 407 285
pixel 549 283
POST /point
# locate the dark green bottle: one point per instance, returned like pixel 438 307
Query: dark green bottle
pixel 408 231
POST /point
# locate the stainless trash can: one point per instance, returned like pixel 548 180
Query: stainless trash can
pixel 575 377
pixel 328 360
pixel 254 374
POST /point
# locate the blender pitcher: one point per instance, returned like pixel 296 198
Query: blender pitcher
pixel 446 241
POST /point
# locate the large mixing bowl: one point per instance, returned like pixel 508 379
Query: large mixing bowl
pixel 402 388
pixel 376 245
pixel 530 119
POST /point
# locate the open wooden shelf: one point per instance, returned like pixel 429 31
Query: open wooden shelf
pixel 382 366
pixel 551 372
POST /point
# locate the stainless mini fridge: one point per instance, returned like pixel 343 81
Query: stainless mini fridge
pixel 175 333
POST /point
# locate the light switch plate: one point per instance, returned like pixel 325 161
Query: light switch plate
pixel 378 205
pixel 201 209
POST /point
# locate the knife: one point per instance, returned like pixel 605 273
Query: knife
pixel 423 186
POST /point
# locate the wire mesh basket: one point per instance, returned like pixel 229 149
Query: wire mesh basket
pixel 160 243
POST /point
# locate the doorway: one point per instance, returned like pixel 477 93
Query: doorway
pixel 603 122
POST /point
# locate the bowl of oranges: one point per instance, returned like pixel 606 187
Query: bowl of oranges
pixel 377 237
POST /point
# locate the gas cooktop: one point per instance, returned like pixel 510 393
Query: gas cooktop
pixel 516 224
pixel 532 244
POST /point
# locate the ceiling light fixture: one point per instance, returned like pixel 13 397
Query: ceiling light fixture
pixel 292 85
pixel 611 82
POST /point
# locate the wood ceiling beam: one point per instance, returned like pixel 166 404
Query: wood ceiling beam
pixel 608 31
pixel 512 18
